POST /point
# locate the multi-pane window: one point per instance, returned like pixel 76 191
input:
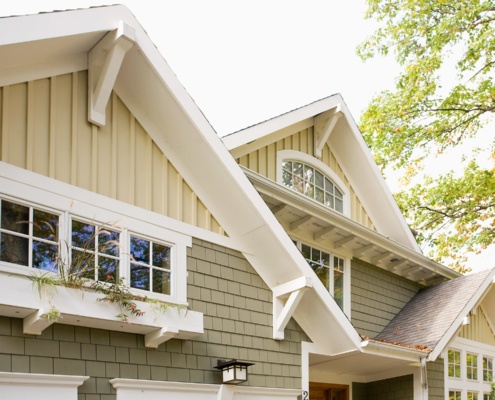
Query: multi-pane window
pixel 472 366
pixel 487 396
pixel 472 395
pixel 150 265
pixel 311 182
pixel 454 363
pixel 454 395
pixel 29 236
pixel 487 369
pixel 330 270
pixel 93 245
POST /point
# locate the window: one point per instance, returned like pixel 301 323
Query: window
pixel 454 395
pixel 28 236
pixel 472 366
pixel 150 265
pixel 311 182
pixel 91 246
pixel 329 268
pixel 31 237
pixel 472 396
pixel 487 369
pixel 454 363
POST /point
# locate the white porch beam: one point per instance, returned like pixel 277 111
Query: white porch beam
pixel 363 250
pixel 104 62
pixel 342 242
pixel 324 126
pixel 156 338
pixel 380 257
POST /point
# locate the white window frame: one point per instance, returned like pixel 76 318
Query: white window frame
pixel 347 273
pixel 463 384
pixel 68 201
pixel 293 155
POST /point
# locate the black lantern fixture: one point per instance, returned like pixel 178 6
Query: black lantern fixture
pixel 234 372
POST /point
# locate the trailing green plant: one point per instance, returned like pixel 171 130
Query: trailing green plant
pixel 78 271
pixel 119 293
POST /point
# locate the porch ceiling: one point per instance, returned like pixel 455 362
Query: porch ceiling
pixel 360 366
pixel 301 216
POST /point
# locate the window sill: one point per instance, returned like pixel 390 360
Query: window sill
pixel 79 307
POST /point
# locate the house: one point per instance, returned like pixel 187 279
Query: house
pixel 280 245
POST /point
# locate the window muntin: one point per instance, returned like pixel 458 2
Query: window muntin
pixel 95 245
pixel 150 265
pixel 487 369
pixel 454 395
pixel 329 269
pixel 28 236
pixel 472 395
pixel 471 366
pixel 454 363
pixel 311 182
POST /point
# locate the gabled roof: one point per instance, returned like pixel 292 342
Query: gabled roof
pixel 45 45
pixel 352 154
pixel 435 314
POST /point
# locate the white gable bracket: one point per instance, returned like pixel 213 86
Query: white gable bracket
pixel 104 62
pixel 283 312
pixel 324 126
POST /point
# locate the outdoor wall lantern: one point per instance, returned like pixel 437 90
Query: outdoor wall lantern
pixel 234 372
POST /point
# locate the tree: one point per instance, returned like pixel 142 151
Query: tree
pixel 444 96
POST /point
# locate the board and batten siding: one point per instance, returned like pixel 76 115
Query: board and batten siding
pixel 264 162
pixel 44 129
pixel 478 329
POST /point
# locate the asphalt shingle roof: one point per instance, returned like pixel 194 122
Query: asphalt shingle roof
pixel 429 314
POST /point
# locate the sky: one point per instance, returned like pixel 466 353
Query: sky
pixel 247 61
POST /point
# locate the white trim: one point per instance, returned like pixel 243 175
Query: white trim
pixel 130 389
pixel 39 386
pixel 325 169
pixel 463 384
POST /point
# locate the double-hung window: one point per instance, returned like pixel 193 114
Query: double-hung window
pixel 454 363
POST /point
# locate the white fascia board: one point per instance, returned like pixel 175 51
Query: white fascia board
pixel 258 131
pixel 392 351
pixel 35 27
pixel 454 328
pixel 369 184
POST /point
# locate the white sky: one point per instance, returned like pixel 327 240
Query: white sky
pixel 246 61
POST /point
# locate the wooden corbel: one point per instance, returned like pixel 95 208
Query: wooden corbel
pixel 159 336
pixel 323 125
pixel 35 323
pixel 282 312
pixel 104 62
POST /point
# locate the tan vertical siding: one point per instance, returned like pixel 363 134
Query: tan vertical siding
pixel 478 329
pixel 44 128
pixel 264 162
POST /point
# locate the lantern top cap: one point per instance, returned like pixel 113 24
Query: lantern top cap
pixel 222 364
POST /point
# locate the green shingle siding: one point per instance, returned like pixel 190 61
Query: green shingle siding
pixel 400 388
pixel 238 324
pixel 376 297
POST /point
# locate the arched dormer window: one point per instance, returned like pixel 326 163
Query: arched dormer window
pixel 311 177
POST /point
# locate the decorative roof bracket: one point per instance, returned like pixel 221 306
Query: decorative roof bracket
pixel 104 62
pixel 282 313
pixel 156 338
pixel 324 125
pixel 35 323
